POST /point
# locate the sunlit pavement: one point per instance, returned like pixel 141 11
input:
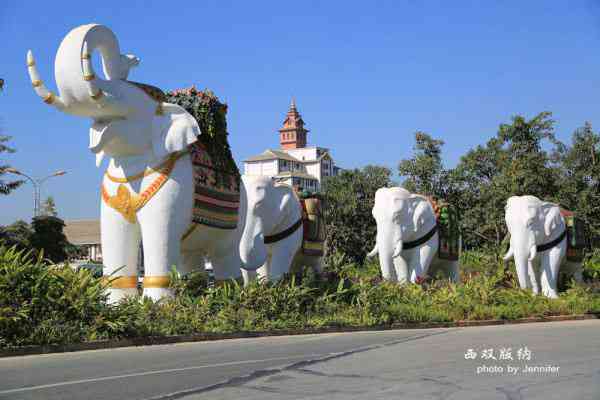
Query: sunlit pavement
pixel 456 363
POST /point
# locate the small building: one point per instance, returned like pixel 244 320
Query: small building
pixel 295 163
pixel 85 234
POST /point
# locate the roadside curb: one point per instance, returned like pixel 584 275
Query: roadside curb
pixel 209 336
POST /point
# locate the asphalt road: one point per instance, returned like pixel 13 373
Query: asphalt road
pixel 403 364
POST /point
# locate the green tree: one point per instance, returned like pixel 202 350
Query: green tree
pixel 580 176
pixel 480 197
pixel 349 199
pixel 528 168
pixel 424 173
pixel 49 207
pixel 48 236
pixel 17 234
pixel 6 186
pixel 512 163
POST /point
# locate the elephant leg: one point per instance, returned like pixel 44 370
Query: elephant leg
pixel 164 220
pixel 532 279
pixel 420 261
pixel 388 271
pixel 161 253
pixel 401 269
pixel 522 274
pixel 284 256
pixel 120 247
pixel 262 273
pixel 226 261
pixel 282 260
pixel 550 264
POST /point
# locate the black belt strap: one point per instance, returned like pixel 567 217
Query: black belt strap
pixel 548 246
pixel 283 234
pixel 418 242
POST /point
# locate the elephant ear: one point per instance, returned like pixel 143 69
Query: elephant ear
pixel 287 201
pixel 552 218
pixel 422 212
pixel 173 130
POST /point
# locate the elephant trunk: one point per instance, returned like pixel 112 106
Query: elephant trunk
pixel 524 250
pixel 253 251
pixel 102 39
pixel 80 91
pixel 389 246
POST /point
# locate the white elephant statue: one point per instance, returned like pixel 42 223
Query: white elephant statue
pixel 407 236
pixel 538 243
pixel 148 190
pixel 273 231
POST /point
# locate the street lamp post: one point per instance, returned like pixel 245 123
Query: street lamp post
pixel 37 185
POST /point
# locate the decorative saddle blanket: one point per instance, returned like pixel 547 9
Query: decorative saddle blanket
pixel 576 236
pixel 216 196
pixel 449 235
pixel 313 242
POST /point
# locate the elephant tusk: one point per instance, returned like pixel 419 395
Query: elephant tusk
pixel 89 77
pixel 397 249
pixel 38 85
pixel 532 252
pixel 373 252
pixel 509 254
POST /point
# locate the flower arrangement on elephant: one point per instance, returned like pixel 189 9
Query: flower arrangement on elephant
pixel 211 116
pixel 216 176
pixel 448 226
pixel 577 239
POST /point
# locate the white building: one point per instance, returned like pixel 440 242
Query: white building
pixel 295 163
pixel 86 234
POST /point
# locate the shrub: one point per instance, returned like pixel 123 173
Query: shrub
pixel 43 304
pixel 48 304
pixel 591 266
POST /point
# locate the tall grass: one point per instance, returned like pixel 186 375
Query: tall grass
pixel 42 304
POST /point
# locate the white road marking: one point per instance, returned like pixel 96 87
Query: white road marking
pixel 162 371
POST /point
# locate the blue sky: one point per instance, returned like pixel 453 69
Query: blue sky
pixel 365 75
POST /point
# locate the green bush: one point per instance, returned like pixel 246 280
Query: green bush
pixel 42 304
pixel 591 266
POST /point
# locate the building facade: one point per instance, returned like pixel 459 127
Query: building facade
pixel 86 234
pixel 295 163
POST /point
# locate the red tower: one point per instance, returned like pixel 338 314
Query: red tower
pixel 293 134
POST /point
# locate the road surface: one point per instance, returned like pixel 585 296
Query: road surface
pixel 563 361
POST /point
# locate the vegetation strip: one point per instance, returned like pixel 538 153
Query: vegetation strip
pixel 209 336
